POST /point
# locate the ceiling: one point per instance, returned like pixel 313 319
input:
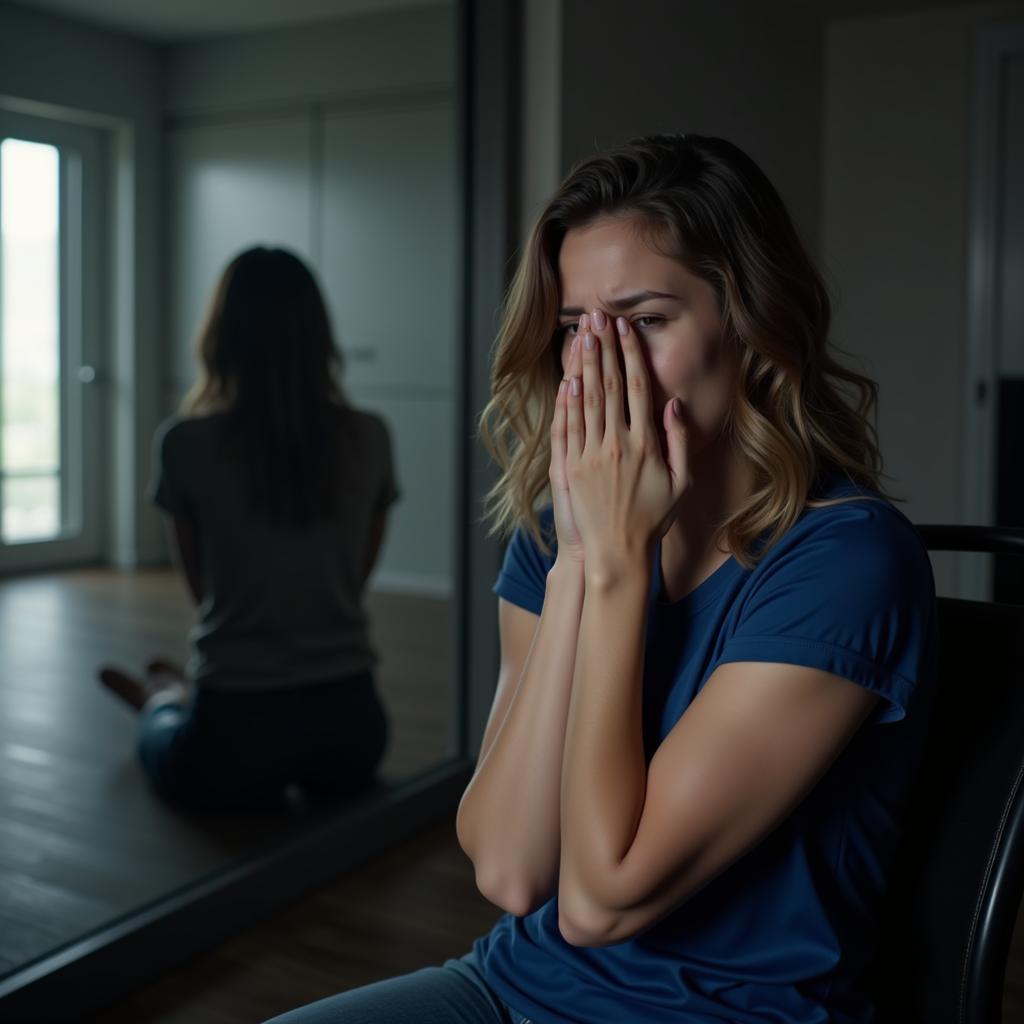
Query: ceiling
pixel 168 20
pixel 876 8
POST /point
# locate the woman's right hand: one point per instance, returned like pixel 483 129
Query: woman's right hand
pixel 570 546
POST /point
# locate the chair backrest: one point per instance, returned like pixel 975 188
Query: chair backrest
pixel 949 920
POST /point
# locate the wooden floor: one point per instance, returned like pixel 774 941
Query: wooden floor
pixel 414 907
pixel 82 839
pixel 71 798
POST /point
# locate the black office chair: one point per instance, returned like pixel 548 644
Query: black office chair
pixel 949 921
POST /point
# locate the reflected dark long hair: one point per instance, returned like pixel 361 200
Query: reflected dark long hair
pixel 797 413
pixel 268 360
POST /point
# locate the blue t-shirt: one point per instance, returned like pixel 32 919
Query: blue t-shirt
pixel 784 934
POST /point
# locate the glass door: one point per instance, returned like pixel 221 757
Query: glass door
pixel 51 257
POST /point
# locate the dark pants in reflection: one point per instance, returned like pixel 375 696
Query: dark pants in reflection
pixel 225 749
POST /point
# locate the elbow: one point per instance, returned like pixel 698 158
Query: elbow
pixel 510 891
pixel 506 885
pixel 590 918
pixel 595 914
pixel 585 921
pixel 500 884
pixel 592 927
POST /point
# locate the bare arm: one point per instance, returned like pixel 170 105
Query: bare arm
pixel 373 545
pixel 183 540
pixel 509 818
pixel 637 842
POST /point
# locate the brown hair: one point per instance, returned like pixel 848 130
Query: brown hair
pixel 268 360
pixel 797 412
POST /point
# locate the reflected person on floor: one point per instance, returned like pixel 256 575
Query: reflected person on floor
pixel 275 492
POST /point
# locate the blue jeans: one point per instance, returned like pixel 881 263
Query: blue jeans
pixel 234 748
pixel 456 993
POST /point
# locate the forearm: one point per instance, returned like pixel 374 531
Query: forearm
pixel 604 773
pixel 183 540
pixel 193 579
pixel 509 818
pixel 373 546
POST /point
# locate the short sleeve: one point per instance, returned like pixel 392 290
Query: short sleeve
pixel 852 594
pixel 168 464
pixel 523 577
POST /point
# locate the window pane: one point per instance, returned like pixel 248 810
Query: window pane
pixel 29 337
pixel 31 508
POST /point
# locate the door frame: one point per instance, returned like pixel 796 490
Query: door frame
pixel 83 261
pixel 993 46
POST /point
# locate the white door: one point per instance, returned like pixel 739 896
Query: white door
pixel 52 255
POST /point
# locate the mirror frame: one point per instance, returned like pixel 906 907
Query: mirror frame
pixel 112 961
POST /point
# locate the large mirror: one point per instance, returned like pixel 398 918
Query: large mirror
pixel 140 153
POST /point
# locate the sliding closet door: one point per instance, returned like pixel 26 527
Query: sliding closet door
pixel 390 236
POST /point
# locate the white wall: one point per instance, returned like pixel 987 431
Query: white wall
pixel 55 67
pixel 338 141
pixel 895 221
pixel 745 70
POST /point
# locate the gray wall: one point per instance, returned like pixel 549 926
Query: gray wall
pixel 863 123
pixel 398 50
pixel 53 66
pixel 540 109
pixel 745 70
pixel 895 231
pixel 338 141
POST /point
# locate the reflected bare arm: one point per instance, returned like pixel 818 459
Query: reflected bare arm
pixel 373 545
pixel 183 540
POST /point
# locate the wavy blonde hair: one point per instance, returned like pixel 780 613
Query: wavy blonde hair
pixel 797 412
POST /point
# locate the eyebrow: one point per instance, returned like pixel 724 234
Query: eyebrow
pixel 626 302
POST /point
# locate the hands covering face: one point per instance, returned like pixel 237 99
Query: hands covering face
pixel 614 492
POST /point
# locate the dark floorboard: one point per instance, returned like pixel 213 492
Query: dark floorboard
pixel 82 839
pixel 416 905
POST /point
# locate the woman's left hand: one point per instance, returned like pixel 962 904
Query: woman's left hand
pixel 624 491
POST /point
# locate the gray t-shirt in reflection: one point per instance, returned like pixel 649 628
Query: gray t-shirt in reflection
pixel 282 605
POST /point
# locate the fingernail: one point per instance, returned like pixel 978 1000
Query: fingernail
pixel 677 408
pixel 599 320
pixel 561 387
pixel 574 386
pixel 588 341
pixel 584 324
pixel 574 345
pixel 622 325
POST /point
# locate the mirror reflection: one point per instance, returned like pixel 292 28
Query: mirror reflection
pixel 130 181
pixel 276 494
